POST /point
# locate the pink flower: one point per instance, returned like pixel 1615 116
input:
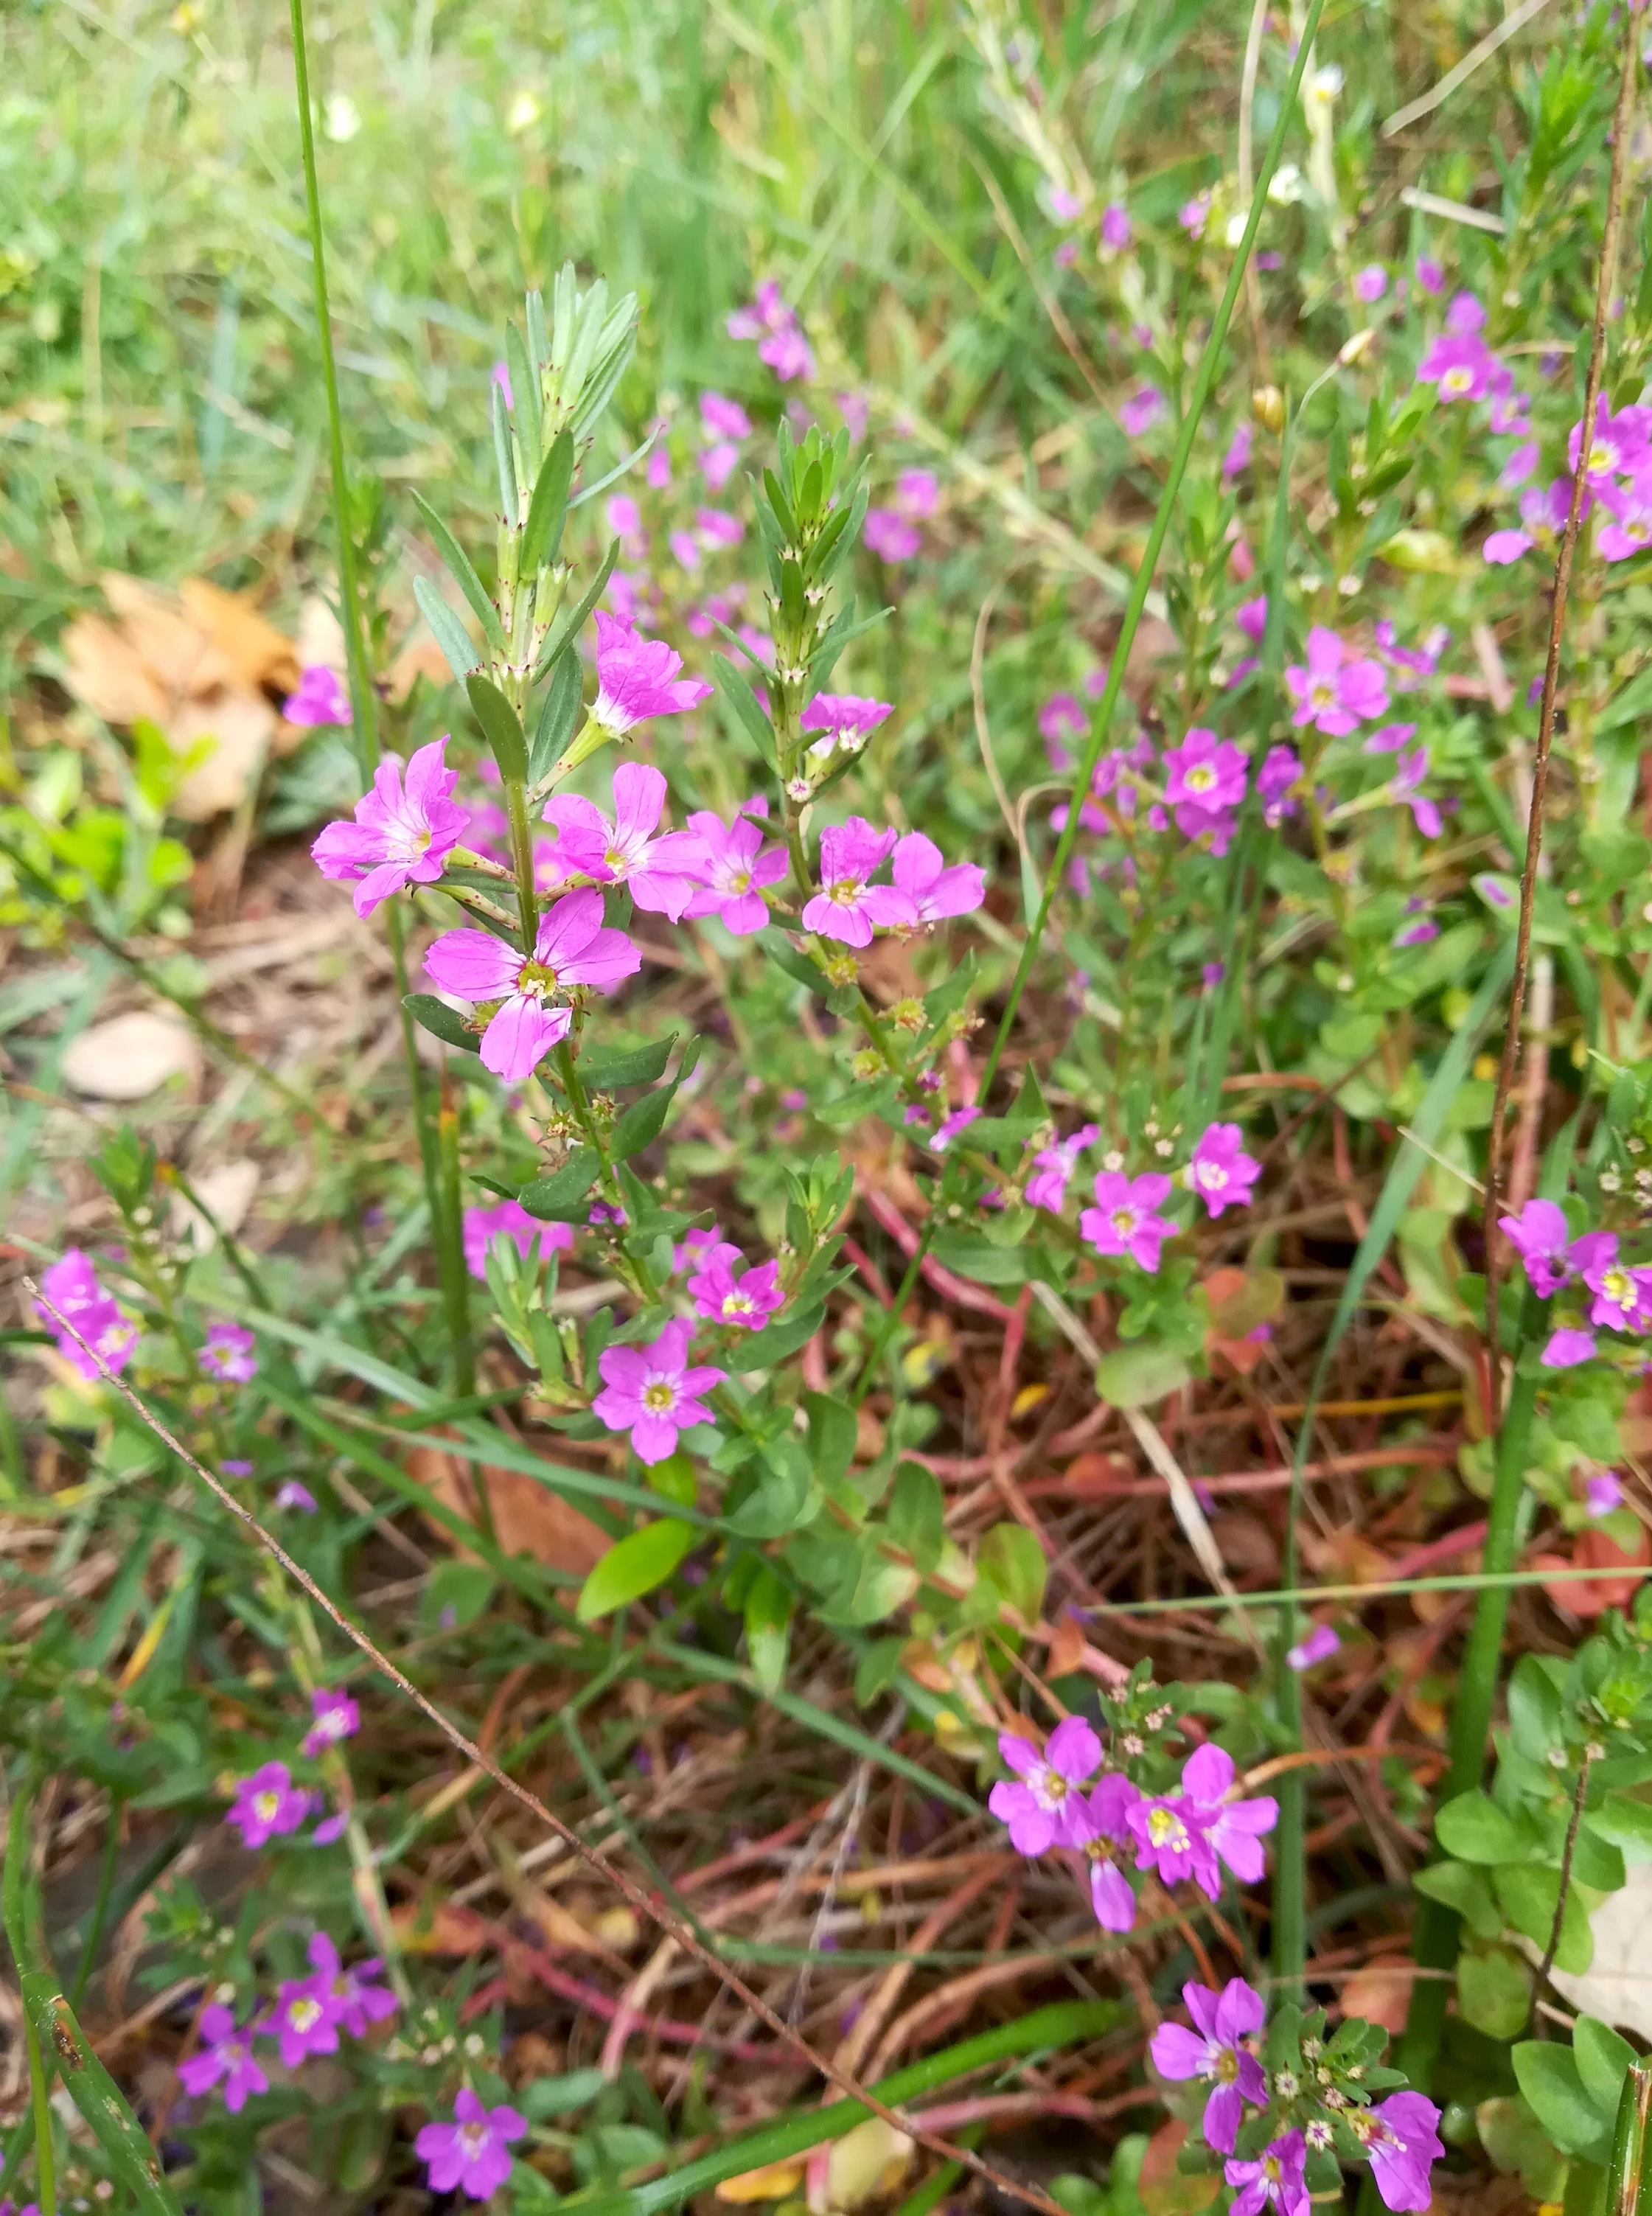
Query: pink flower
pixel 228 1354
pixel 1116 232
pixel 1142 411
pixel 1216 2051
pixel 1053 1167
pixel 1401 2143
pixel 502 378
pixel 1539 1235
pixel 637 677
pixel 533 1240
pixel 304 2020
pixel 732 871
pixel 294 1495
pixel 721 418
pixel 1097 1821
pixel 788 353
pixel 1061 717
pixel 1205 772
pixel 572 949
pixel 1567 1348
pixel 948 1128
pixel 1521 461
pixel 355 1999
pixel 72 1285
pixel 1417 933
pixel 1461 365
pixel 1621 446
pixel 1236 460
pixel 1170 1839
pixel 473 2153
pixel 1623 1297
pixel 850 907
pixel 1370 283
pixel 1280 774
pixel 716 527
pixel 847 719
pixel 336 1718
pixel 1604 1493
pixel 1630 532
pixel 399 837
pixel 1430 275
pixel 934 891
pixel 1403 786
pixel 749 1300
pixel 650 1392
pixel 1194 214
pixel 1502 547
pixel 658 471
pixel 225 2054
pixel 1123 1221
pixel 685 550
pixel 1336 691
pixel 1276 2176
pixel 1389 738
pixel 1221 1172
pixel 621 849
pixel 1040 1804
pixel 1319 1646
pixel 718 464
pixel 1251 616
pixel 267 1804
pixel 624 520
pixel 319 698
pixel 889 536
pixel 1234 1829
pixel 917 494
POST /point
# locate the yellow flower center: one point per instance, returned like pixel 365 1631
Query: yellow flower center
pixel 1166 1828
pixel 1456 381
pixel 265 1805
pixel 658 1397
pixel 1200 779
pixel 304 2013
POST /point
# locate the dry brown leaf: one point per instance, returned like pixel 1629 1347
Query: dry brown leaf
pixel 444 1928
pixel 775 2181
pixel 1594 1550
pixel 529 1517
pixel 255 649
pixel 106 673
pixel 1381 1993
pixel 1067 1644
pixel 242 727
pixel 130 1056
pixel 420 657
pixel 320 642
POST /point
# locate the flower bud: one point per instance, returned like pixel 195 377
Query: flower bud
pixel 1267 406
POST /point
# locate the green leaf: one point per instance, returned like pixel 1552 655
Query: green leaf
pixel 776 1508
pixel 1548 2076
pixel 641 1124
pixel 1466 1889
pixel 642 1065
pixel 441 1022
pixel 450 634
pixel 832 1432
pixel 501 727
pixel 784 1336
pixel 524 390
pixel 634 1566
pixel 455 1594
pixel 560 1197
pixel 875 1671
pixel 1603 2059
pixel 768 1619
pixel 1136 1376
pixel 1627 1823
pixel 1529 1895
pixel 917 1521
pixel 459 568
pixel 1493 1992
pixel 542 532
pixel 1016 1562
pixel 970 1256
pixel 1596 1862
pixel 1476 1830
pixel 796 964
pixel 1534 1712
pixel 559 713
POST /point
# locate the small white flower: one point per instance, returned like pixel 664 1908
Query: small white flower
pixel 1287 187
pixel 1325 84
pixel 341 119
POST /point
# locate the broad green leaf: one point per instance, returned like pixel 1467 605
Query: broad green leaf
pixel 1014 1560
pixel 970 1256
pixel 1136 1376
pixel 641 1124
pixel 768 1618
pixel 1529 1895
pixel 1515 2140
pixel 560 1197
pixel 1534 1711
pixel 441 1022
pixel 1493 1992
pixel 642 1065
pixel 1627 1823
pixel 634 1566
pixel 1476 1830
pixel 776 1507
pixel 1548 2076
pixel 1603 2059
pixel 1596 1862
pixel 1468 1890
pixel 783 1336
pixel 917 1521
pixel 832 1432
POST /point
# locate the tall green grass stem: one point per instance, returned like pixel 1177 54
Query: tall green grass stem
pixel 363 701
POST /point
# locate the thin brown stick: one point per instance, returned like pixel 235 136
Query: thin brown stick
pixel 1553 1947
pixel 1604 283
pixel 627 1886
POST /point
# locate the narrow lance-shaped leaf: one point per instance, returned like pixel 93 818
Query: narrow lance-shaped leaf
pixel 501 727
pixel 457 562
pixel 451 636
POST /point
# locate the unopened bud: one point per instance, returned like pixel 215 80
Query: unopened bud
pixel 1267 406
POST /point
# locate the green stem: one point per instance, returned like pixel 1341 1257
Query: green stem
pixel 363 700
pixel 45 2182
pixel 450 1253
pixel 1477 1692
pixel 106 1871
pixel 521 855
pixel 1063 2025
